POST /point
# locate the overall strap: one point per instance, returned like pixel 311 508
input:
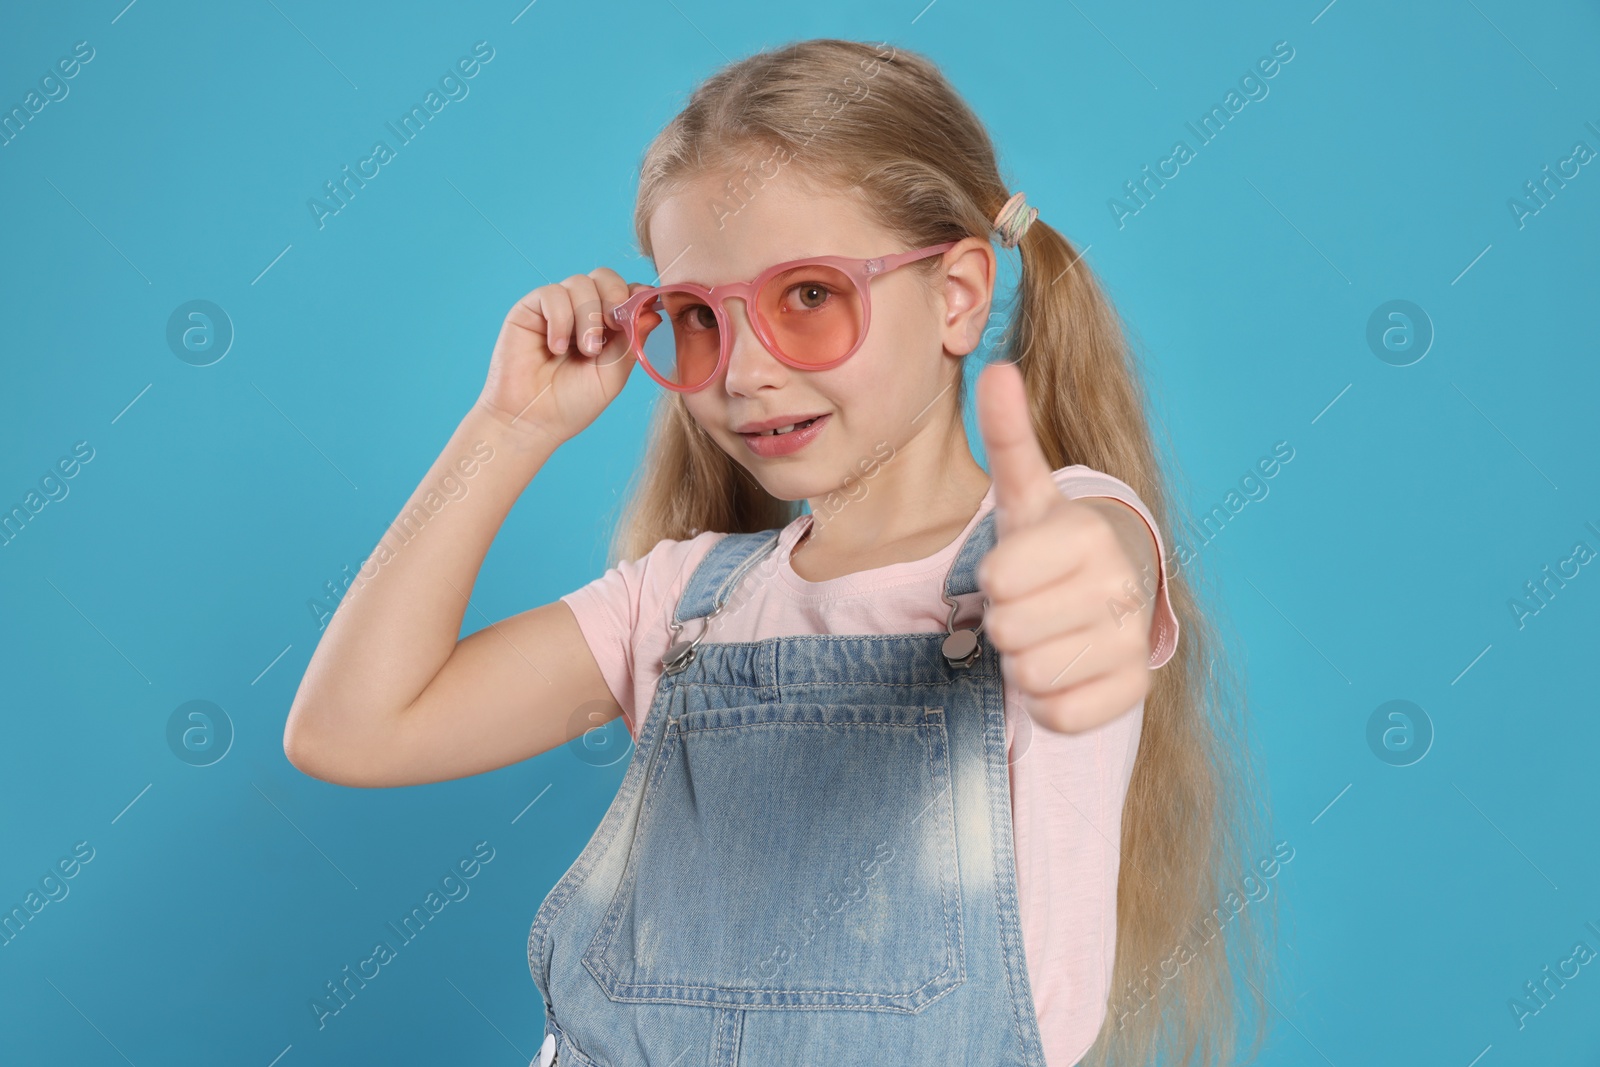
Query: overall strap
pixel 963 576
pixel 720 572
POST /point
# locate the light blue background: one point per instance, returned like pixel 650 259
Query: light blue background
pixel 1419 501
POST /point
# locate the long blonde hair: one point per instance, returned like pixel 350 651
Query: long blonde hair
pixel 885 122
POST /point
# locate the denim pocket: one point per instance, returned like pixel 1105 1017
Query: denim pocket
pixel 791 855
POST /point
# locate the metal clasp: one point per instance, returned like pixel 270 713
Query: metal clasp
pixel 681 653
pixel 961 647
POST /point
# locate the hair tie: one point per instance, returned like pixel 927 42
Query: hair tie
pixel 1013 220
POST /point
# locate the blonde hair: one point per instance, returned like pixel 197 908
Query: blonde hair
pixel 887 124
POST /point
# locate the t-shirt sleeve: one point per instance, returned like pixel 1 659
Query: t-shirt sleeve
pixel 611 608
pixel 1081 481
pixel 607 610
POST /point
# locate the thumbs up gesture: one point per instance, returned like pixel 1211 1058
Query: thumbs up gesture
pixel 1055 577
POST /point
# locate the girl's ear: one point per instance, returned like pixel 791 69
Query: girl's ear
pixel 968 292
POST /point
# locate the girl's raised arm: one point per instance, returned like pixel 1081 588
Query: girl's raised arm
pixel 391 697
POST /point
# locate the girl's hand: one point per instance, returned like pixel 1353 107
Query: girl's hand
pixel 1055 566
pixel 556 364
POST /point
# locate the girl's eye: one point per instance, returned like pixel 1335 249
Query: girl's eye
pixel 805 296
pixel 695 317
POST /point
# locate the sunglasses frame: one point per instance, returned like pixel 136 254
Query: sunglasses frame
pixel 860 271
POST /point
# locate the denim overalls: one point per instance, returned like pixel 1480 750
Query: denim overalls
pixel 808 861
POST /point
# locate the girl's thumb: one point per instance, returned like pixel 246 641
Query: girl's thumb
pixel 1024 487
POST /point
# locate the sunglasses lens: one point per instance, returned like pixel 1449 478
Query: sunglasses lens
pixel 680 338
pixel 813 312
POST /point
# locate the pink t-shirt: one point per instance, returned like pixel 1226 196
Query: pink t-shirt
pixel 1067 790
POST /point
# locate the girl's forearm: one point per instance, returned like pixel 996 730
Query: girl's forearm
pixel 400 619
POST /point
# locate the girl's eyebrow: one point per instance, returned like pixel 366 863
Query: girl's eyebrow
pixel 772 262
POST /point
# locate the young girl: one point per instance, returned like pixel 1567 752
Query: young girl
pixel 908 784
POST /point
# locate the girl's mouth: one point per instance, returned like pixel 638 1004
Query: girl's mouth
pixel 786 440
pixel 787 429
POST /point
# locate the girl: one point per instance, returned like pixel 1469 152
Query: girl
pixel 908 786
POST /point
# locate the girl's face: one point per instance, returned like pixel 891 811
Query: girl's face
pixel 898 387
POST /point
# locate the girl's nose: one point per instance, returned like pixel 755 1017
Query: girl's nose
pixel 750 365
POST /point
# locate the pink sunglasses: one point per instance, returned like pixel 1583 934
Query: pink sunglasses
pixel 811 314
